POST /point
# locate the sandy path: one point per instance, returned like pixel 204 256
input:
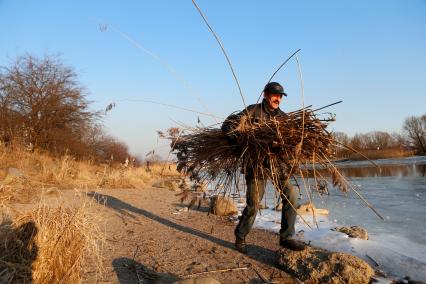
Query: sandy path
pixel 147 243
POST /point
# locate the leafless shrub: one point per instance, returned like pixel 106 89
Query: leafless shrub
pixel 414 129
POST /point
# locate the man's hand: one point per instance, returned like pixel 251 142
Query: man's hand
pixel 276 146
pixel 234 143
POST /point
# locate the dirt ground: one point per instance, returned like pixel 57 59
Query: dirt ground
pixel 150 241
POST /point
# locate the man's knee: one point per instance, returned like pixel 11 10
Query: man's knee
pixel 251 210
pixel 290 195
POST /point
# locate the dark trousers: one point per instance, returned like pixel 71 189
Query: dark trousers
pixel 255 191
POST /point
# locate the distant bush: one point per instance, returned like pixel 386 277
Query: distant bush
pixel 414 129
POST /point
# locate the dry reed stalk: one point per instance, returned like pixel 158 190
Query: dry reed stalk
pixel 277 149
pixel 171 106
pixel 179 77
pixel 270 148
pixel 50 245
pixel 228 60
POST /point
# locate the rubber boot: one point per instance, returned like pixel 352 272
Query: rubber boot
pixel 292 244
pixel 240 245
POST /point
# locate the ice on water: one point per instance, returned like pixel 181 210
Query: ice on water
pixel 397 244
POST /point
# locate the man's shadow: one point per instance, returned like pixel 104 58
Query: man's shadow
pixel 18 251
pixel 255 252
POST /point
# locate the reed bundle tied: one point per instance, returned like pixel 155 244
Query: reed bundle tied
pixel 276 149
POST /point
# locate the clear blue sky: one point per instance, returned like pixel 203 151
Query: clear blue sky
pixel 370 54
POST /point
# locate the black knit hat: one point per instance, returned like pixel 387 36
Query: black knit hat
pixel 274 88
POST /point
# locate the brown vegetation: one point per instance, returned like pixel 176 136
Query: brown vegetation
pixel 52 243
pixel 43 107
pixel 415 132
pixel 49 244
pixel 40 171
pixel 272 149
pixel 277 149
pixel 50 139
pixel 380 144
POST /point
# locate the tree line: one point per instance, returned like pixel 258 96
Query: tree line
pixel 43 106
pixel 412 138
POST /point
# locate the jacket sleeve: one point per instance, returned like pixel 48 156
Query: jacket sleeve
pixel 228 127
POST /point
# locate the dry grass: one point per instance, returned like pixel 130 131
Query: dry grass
pixel 50 244
pixel 54 243
pixel 41 171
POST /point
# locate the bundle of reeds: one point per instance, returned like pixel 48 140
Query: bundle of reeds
pixel 273 149
pixel 279 149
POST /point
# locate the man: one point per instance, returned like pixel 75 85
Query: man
pixel 269 108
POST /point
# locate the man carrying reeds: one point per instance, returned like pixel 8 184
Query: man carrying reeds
pixel 256 182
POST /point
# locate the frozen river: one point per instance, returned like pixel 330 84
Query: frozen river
pixel 397 190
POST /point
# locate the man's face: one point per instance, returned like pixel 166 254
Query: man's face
pixel 273 100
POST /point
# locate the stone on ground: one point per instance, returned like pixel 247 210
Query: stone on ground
pixel 314 265
pixel 222 206
pixel 307 208
pixel 172 184
pixel 353 232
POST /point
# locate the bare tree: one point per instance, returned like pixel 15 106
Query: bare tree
pixel 381 140
pixel 359 141
pixel 46 103
pixel 342 139
pixel 414 129
pixel 155 158
pixel 110 149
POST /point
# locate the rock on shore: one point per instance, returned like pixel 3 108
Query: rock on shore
pixel 353 232
pixel 314 265
pixel 307 208
pixel 222 206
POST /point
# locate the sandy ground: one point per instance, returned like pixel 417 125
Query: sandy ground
pixel 148 243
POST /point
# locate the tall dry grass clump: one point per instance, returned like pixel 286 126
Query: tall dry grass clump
pixel 50 245
pixel 36 170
